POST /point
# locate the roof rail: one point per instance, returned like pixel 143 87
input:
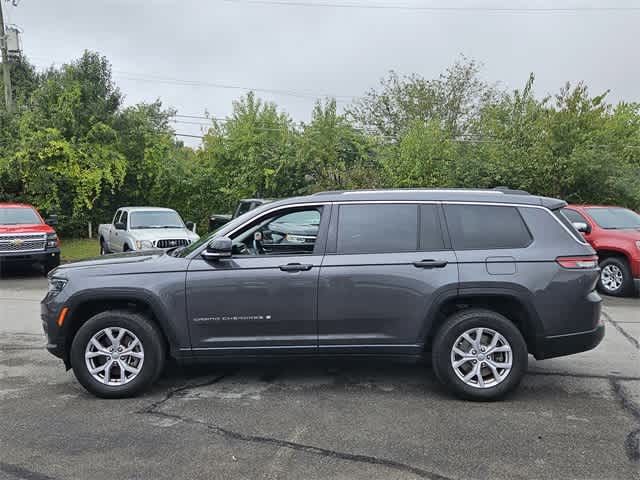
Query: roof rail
pixel 511 191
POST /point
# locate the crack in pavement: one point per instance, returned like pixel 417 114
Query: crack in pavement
pixel 581 375
pixel 624 333
pixel 632 442
pixel 154 409
pixel 22 473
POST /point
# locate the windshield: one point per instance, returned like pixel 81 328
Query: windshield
pixel 615 218
pixel 19 216
pixel 155 219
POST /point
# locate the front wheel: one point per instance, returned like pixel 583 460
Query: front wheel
pixel 103 247
pixel 117 354
pixel 615 277
pixel 479 355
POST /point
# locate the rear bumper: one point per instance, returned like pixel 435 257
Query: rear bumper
pixel 560 345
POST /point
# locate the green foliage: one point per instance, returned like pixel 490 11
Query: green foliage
pixel 73 149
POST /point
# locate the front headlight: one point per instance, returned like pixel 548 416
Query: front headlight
pixel 56 285
pixel 52 240
pixel 142 244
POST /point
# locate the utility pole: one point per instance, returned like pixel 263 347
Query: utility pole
pixel 6 74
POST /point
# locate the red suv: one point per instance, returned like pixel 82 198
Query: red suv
pixel 26 238
pixel 614 232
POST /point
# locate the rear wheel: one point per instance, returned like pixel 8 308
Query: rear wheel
pixel 479 355
pixel 615 277
pixel 117 354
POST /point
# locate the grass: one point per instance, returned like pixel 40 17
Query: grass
pixel 74 249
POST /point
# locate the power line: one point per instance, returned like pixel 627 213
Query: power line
pixel 199 83
pixel 380 6
pixel 138 77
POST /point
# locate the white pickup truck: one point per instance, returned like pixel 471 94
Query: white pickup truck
pixel 145 228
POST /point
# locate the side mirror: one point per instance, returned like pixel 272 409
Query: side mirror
pixel 120 226
pixel 218 248
pixel 191 226
pixel 582 227
pixel 52 220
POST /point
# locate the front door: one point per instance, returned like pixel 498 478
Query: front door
pixel 263 299
pixel 385 265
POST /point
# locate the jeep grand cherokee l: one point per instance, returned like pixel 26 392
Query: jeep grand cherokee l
pixel 475 279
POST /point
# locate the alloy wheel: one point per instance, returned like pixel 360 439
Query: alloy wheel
pixel 481 358
pixel 611 277
pixel 114 356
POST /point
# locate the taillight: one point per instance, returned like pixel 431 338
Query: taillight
pixel 587 261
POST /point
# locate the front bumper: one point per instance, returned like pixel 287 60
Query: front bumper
pixel 560 345
pixel 49 311
pixel 50 255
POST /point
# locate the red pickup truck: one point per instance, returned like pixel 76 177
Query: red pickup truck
pixel 26 238
pixel 614 232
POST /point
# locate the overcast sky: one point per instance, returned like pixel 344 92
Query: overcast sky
pixel 328 50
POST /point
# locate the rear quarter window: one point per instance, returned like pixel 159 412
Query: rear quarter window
pixel 486 227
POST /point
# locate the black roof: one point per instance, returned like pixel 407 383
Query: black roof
pixel 498 195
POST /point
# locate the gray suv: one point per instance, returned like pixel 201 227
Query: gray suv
pixel 474 279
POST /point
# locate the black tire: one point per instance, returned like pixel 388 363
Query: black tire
pixel 103 247
pixel 125 248
pixel 150 338
pixel 458 324
pixel 616 264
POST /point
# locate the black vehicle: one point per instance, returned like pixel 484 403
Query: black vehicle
pixel 245 205
pixel 476 280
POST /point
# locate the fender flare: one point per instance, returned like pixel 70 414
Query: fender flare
pixel 533 326
pixel 124 295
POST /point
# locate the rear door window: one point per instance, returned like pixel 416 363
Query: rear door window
pixel 485 227
pixel 377 228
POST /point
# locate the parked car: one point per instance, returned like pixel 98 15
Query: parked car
pixel 245 205
pixel 614 232
pixel 145 228
pixel 477 280
pixel 26 238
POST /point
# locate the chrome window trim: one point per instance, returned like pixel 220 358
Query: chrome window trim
pixel 463 202
pixel 428 202
pixel 198 252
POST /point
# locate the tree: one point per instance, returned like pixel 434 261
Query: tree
pixel 332 154
pixel 454 99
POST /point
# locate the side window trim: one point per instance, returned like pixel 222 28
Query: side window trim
pixel 320 244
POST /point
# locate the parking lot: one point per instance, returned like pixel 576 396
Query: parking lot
pixel 573 417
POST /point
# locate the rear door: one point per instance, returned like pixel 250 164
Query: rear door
pixel 385 265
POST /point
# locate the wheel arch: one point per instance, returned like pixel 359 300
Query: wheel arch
pixel 511 301
pixel 608 252
pixel 91 302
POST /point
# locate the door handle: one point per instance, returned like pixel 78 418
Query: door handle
pixel 430 264
pixel 295 267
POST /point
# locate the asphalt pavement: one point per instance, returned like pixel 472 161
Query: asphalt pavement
pixel 573 417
